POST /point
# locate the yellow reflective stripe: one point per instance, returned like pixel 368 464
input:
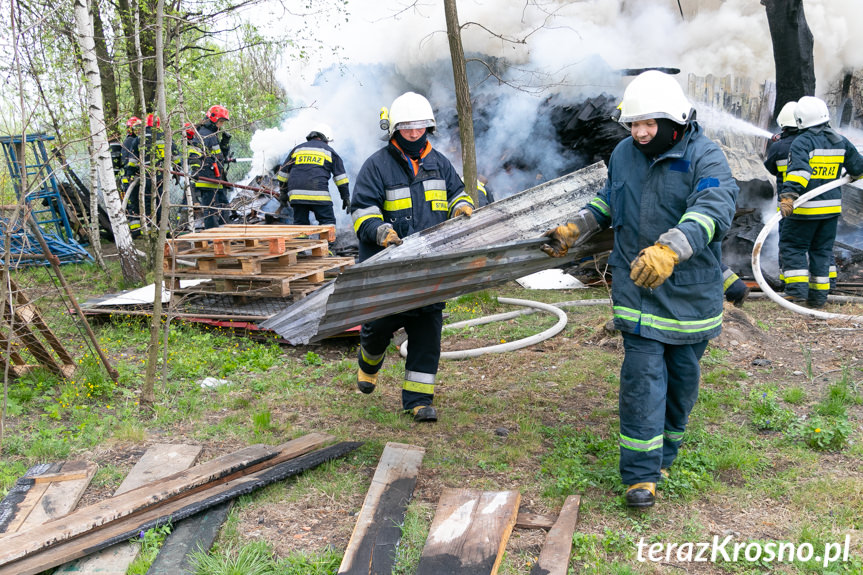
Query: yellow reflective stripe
pixel 396 205
pixel 729 280
pixel 435 195
pixel 462 197
pixel 359 221
pixel 639 444
pixel 797 177
pixel 341 180
pixel 667 324
pixel 427 388
pixel 371 359
pixel 207 185
pixel 312 156
pixel 600 205
pixel 309 197
pixel 706 222
pixel 816 211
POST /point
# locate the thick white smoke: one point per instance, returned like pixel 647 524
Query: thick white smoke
pixel 556 48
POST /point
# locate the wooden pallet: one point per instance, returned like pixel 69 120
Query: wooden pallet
pixel 274 279
pixel 247 261
pixel 225 240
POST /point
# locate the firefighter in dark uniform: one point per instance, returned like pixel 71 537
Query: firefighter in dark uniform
pixel 401 189
pixel 153 148
pixel 305 176
pixel 129 156
pixel 670 199
pixel 816 157
pixel 215 146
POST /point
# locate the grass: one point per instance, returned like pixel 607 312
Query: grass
pixel 751 449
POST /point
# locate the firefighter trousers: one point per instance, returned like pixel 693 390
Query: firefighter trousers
pixel 423 327
pixel 658 389
pixel 324 214
pixel 806 253
pixel 213 201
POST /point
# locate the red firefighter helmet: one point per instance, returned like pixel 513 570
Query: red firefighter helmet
pixel 133 122
pixel 150 121
pixel 216 113
pixel 189 130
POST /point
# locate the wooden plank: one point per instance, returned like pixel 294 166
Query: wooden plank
pixel 554 557
pixel 159 461
pixel 172 511
pixel 61 497
pixel 192 535
pixel 32 540
pixel 372 547
pixel 270 270
pixel 469 532
pixel 70 471
pixel 23 497
pixel 534 521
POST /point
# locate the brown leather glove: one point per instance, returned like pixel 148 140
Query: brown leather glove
pixel 561 239
pixel 786 207
pixel 653 266
pixel 463 210
pixel 387 236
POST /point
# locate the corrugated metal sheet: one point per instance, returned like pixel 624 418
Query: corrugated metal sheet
pixel 498 243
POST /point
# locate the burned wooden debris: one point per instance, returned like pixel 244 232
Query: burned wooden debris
pixel 173 498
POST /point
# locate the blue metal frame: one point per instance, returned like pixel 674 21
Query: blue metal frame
pixel 46 205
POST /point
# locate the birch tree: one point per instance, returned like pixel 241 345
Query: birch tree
pixel 101 156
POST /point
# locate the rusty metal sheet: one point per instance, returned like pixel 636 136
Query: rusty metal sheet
pixel 500 242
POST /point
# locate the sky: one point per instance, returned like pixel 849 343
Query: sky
pixel 555 49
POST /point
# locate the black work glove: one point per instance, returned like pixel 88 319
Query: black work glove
pixel 346 202
pixel 225 142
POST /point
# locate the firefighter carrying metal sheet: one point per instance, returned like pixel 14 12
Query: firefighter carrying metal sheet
pixel 670 199
pixel 304 178
pixel 404 188
pixel 816 156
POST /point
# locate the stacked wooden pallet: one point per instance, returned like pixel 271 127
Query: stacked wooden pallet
pixel 264 261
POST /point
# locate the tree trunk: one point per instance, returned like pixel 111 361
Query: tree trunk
pixel 792 51
pixel 147 394
pixel 106 72
pixel 462 97
pixel 101 156
pixel 127 21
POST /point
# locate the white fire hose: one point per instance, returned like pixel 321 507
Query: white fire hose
pixel 756 257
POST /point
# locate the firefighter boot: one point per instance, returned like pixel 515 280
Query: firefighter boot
pixel 641 495
pixel 366 381
pixel 424 413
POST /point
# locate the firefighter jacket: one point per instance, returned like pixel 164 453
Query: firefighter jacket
pixel 777 154
pixel 815 158
pixel 212 160
pixel 684 198
pixel 129 157
pixel 410 195
pixel 305 175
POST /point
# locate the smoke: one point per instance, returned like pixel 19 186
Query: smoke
pixel 540 52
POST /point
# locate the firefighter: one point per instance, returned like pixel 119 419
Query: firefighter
pixel 403 188
pixel 154 155
pixel 816 156
pixel 670 199
pixel 304 178
pixel 130 158
pixel 215 146
pixel 777 150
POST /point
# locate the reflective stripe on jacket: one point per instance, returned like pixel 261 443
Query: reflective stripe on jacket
pixel 409 195
pixel 689 190
pixel 307 171
pixel 817 157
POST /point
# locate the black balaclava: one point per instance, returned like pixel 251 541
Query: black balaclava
pixel 668 133
pixel 412 149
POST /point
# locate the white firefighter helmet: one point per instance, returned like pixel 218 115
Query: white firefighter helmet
pixel 785 119
pixel 654 94
pixel 321 130
pixel 811 111
pixel 411 111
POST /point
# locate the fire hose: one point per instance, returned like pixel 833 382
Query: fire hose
pixel 759 243
pixel 518 344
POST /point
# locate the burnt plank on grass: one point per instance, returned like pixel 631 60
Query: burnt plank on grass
pixel 159 461
pixel 469 532
pixel 554 557
pixel 172 511
pixel 372 547
pixel 29 541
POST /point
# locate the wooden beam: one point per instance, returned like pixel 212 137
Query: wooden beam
pixel 372 547
pixel 554 557
pixel 171 511
pixel 469 532
pixel 61 497
pixel 159 461
pixel 23 543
